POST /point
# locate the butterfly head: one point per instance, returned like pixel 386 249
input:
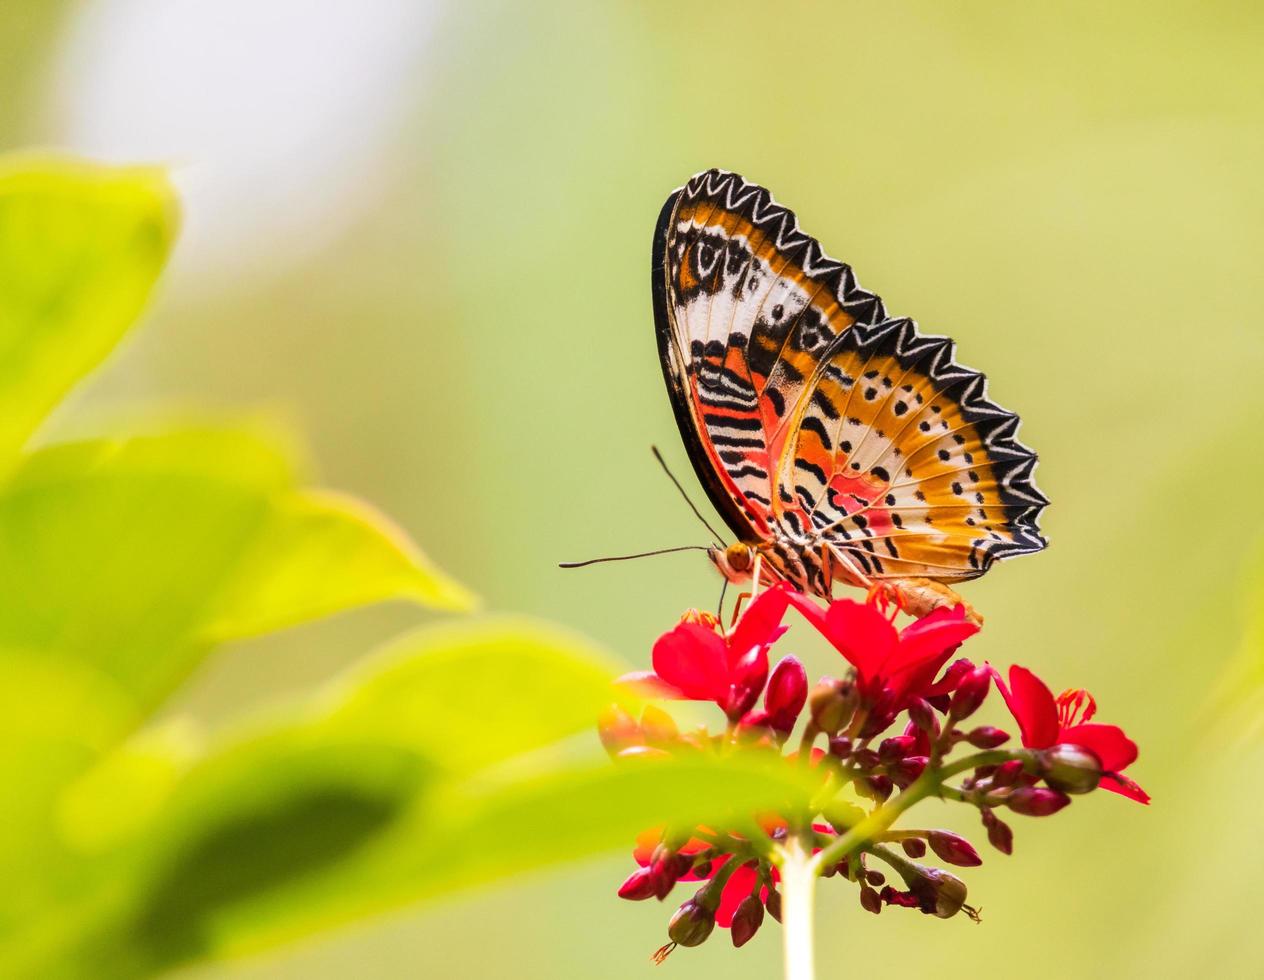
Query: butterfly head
pixel 734 562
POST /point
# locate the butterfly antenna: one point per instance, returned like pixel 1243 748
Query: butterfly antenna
pixel 697 513
pixel 643 554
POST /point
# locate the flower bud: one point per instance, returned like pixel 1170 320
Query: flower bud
pixel 877 788
pixel 618 729
pixel 1036 801
pixel 754 723
pixel 987 737
pixel 1069 768
pixel 659 727
pixel 639 886
pixel 749 674
pixel 865 758
pixel 922 715
pixel 787 693
pixel 895 748
pixel 691 925
pixel 772 902
pixel 840 746
pixel 747 920
pixel 667 867
pixel 1007 773
pixel 875 878
pixel 869 900
pixel 906 771
pixel 971 692
pixel 953 848
pixel 914 847
pixel 831 703
pixel 939 892
pixel 999 833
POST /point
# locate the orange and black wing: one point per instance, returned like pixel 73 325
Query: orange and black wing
pixel 746 306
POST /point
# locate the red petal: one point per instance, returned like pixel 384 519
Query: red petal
pixel 740 884
pixel 1114 750
pixel 858 631
pixel 931 636
pixel 693 659
pixel 1125 787
pixel 1032 706
pixel 760 625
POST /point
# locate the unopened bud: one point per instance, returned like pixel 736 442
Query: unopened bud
pixel 747 920
pixel 787 693
pixel 914 847
pixel 906 771
pixel 749 674
pixel 659 727
pixel 953 848
pixel 618 729
pixel 971 692
pixel 840 746
pixel 987 737
pixel 869 900
pixel 923 716
pixel 939 892
pixel 865 758
pixel 877 788
pixel 772 902
pixel 831 703
pixel 639 886
pixel 1069 768
pixel 999 833
pixel 1036 801
pixel 875 878
pixel 895 748
pixel 1007 773
pixel 691 925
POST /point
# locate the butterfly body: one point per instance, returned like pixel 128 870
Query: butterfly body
pixel 839 444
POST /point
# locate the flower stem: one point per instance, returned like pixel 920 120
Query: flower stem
pixel 798 895
pixel 928 784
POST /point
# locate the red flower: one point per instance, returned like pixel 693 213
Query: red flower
pixel 742 881
pixel 697 662
pixel 1046 721
pixel 898 664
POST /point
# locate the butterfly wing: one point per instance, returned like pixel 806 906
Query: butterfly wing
pixel 900 461
pixel 745 306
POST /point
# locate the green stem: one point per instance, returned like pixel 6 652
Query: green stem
pixel 798 895
pixel 928 784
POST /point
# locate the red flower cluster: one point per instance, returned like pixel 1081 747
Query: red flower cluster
pixel 898 678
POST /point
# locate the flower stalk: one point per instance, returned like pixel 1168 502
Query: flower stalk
pixel 798 904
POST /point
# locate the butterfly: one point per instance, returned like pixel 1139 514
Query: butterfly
pixel 838 443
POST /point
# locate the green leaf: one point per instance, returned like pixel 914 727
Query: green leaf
pixel 116 551
pixel 470 695
pixel 323 552
pixel 414 775
pixel 80 249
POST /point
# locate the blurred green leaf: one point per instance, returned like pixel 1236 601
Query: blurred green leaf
pixel 80 249
pixel 408 778
pixel 472 695
pixel 322 552
pixel 116 551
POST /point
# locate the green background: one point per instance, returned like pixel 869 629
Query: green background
pixel 1071 191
